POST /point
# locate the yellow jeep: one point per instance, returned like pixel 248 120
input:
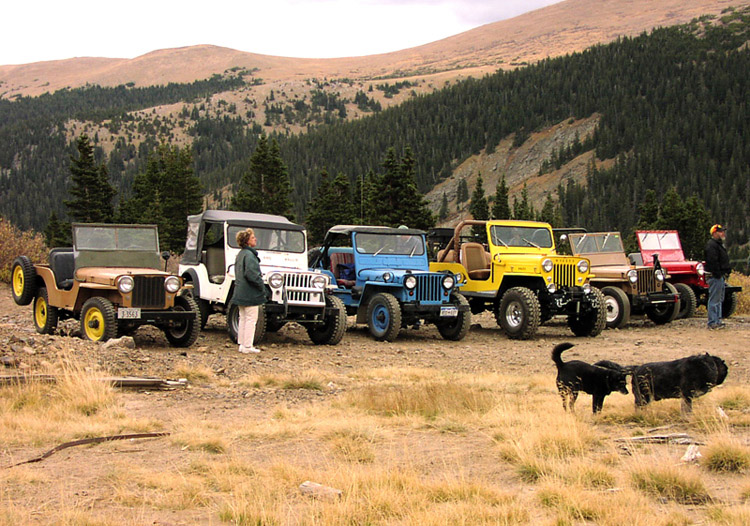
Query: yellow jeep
pixel 516 272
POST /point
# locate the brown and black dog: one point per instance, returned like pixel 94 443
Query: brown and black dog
pixel 598 380
pixel 686 378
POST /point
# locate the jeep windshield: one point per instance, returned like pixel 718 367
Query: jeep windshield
pixel 389 244
pixel 599 243
pixel 659 241
pixel 272 239
pixel 520 236
pixel 116 238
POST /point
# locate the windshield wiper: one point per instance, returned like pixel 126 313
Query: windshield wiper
pixel 503 242
pixel 530 243
pixel 378 251
pixel 413 249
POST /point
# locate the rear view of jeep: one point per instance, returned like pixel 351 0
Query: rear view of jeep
pixel 512 269
pixel 294 292
pixel 111 280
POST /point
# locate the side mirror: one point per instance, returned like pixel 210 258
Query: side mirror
pixel 165 256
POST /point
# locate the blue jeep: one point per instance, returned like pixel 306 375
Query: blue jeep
pixel 382 276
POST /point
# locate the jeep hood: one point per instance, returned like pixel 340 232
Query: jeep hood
pixel 107 275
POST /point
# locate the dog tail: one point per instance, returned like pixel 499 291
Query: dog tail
pixel 557 352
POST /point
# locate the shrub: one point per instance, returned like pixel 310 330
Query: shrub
pixel 14 243
pixel 726 456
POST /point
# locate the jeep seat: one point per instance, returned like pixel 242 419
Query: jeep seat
pixel 215 264
pixel 62 264
pixel 474 259
pixel 338 258
pixel 450 255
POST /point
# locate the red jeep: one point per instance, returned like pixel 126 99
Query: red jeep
pixel 688 277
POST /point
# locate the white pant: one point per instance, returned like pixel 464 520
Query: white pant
pixel 246 330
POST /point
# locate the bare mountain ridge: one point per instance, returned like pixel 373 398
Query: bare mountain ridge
pixel 562 28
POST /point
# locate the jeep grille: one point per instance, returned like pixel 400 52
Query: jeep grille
pixel 429 287
pixel 148 292
pixel 299 289
pixel 564 274
pixel 647 281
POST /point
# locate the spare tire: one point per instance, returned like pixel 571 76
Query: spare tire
pixel 23 280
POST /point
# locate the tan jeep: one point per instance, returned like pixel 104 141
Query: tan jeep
pixel 111 280
pixel 628 289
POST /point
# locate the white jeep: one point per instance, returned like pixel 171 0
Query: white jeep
pixel 294 292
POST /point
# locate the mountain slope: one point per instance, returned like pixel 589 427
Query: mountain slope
pixel 561 28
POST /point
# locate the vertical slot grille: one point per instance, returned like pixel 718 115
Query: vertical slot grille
pixel 647 281
pixel 429 287
pixel 148 292
pixel 299 289
pixel 564 274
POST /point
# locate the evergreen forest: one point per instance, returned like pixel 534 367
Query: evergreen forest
pixel 673 106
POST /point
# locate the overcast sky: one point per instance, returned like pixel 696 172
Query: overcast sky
pixel 40 30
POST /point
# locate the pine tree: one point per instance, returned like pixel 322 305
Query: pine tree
pixel 523 210
pixel 265 186
pixel 501 208
pixel 165 194
pixel 649 211
pixel 331 206
pixel 399 202
pixel 462 192
pixel 443 213
pixel 91 192
pixel 550 213
pixel 478 208
pixel 57 233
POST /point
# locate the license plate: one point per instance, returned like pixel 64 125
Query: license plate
pixel 129 313
pixel 449 311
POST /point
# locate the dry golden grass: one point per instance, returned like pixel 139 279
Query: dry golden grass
pixel 726 454
pixel 743 298
pixel 311 379
pixel 381 445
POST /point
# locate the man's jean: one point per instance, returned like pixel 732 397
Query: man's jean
pixel 715 299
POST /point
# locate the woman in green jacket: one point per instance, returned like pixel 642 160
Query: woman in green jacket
pixel 249 289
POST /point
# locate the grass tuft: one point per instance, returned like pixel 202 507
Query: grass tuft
pixel 726 455
pixel 671 483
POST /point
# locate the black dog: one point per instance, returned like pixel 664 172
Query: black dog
pixel 686 378
pixel 596 380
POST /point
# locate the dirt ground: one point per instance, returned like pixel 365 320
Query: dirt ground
pixel 290 352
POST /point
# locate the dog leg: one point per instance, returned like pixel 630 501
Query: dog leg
pixel 686 406
pixel 597 401
pixel 573 397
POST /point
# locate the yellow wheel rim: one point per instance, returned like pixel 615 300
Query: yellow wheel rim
pixel 18 281
pixel 93 324
pixel 40 312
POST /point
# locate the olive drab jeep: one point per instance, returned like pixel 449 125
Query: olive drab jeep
pixel 383 277
pixel 111 280
pixel 294 292
pixel 514 270
pixel 628 289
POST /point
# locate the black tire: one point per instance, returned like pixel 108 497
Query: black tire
pixel 23 280
pixel 384 317
pixel 332 331
pixel 456 328
pixel 592 322
pixel 664 312
pixel 45 315
pixel 98 322
pixel 185 333
pixel 729 305
pixel 617 307
pixel 518 313
pixel 205 311
pixel 688 301
pixel 233 323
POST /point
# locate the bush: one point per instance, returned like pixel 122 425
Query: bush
pixel 14 243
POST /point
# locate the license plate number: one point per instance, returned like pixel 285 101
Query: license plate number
pixel 449 311
pixel 129 313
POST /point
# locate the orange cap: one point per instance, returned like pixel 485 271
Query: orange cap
pixel 717 228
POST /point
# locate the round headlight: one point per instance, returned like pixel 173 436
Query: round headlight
pixel 700 269
pixel 410 282
pixel 275 280
pixel 172 284
pixel 659 273
pixel 387 276
pixel 552 288
pixel 448 282
pixel 319 282
pixel 583 266
pixel 632 275
pixel 125 284
pixel 547 265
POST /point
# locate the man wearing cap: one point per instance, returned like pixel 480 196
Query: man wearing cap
pixel 717 270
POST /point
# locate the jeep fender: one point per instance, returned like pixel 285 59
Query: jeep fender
pixel 369 291
pixel 191 276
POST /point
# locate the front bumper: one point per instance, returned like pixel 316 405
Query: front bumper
pixel 654 298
